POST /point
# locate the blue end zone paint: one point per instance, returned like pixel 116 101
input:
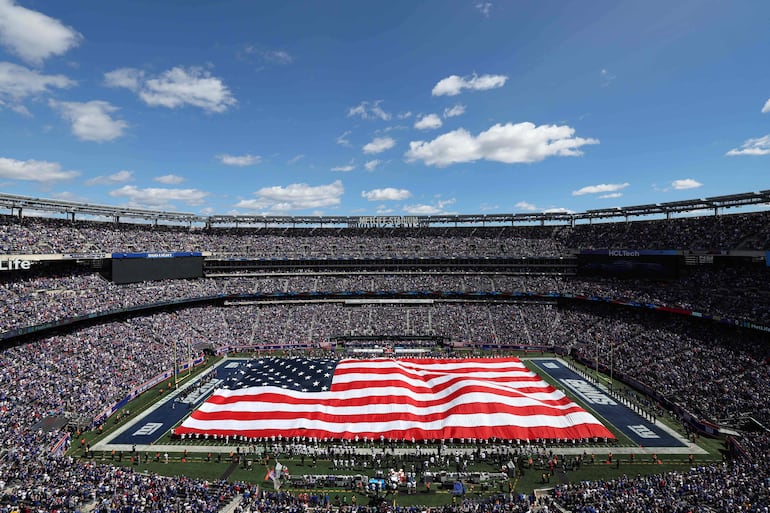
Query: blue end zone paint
pixel 153 426
pixel 167 415
pixel 633 425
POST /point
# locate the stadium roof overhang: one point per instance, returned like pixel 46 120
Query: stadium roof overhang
pixel 71 208
pixel 21 203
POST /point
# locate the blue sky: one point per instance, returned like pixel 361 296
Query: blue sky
pixel 397 108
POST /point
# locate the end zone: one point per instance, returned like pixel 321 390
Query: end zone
pixel 613 410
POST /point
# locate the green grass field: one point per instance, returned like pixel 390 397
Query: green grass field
pixel 198 465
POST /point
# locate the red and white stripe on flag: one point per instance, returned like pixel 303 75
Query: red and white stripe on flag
pixel 424 399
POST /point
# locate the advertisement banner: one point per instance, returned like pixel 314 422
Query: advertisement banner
pixel 625 253
pixel 158 255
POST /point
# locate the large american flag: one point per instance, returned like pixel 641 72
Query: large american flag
pixel 481 398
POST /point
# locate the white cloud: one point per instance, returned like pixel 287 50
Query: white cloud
pixel 529 207
pixel 371 165
pixel 509 143
pixel 176 87
pixel 686 183
pixel 295 159
pixel 129 78
pixel 379 144
pixel 611 195
pixel 18 109
pixel 34 170
pixel 156 197
pixel 428 210
pixel 377 111
pixel 69 196
pixel 119 177
pixel 430 121
pixel 758 146
pixel 277 56
pixel 298 196
pixel 766 108
pixel 604 187
pixel 91 121
pixel 239 160
pixel 457 110
pixel 345 169
pixel 454 84
pixel 388 129
pixel 485 8
pixel 282 57
pixel 169 179
pixel 365 111
pixel 404 115
pixel 343 140
pixel 18 82
pixel 386 194
pixel 359 110
pixel 524 205
pixel 32 35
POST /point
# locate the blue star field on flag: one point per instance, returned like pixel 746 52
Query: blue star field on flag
pixel 300 374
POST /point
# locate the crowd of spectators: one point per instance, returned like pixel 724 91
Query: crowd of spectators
pixel 717 374
pixel 72 377
pixel 56 236
pixel 38 235
pixel 39 297
pixel 741 486
pixel 706 232
pixel 640 347
pixel 48 484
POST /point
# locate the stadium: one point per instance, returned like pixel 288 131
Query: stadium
pixel 126 330
pixel 437 256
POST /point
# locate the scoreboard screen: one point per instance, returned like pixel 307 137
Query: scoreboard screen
pixel 137 267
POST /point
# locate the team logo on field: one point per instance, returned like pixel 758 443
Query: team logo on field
pixel 148 429
pixel 588 392
pixel 643 431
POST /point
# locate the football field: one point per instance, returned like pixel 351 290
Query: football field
pixel 642 446
pixel 638 433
